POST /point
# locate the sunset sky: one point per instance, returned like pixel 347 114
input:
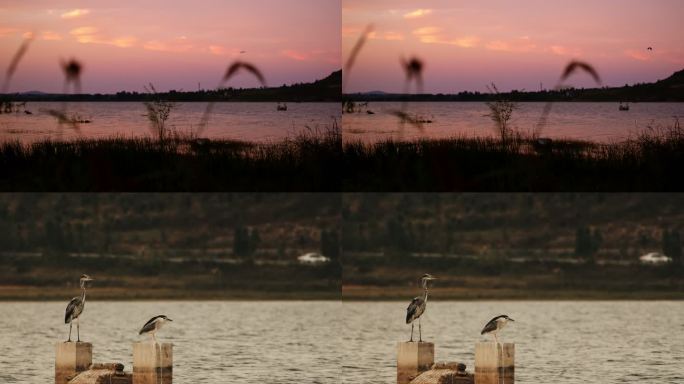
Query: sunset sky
pixel 173 44
pixel 516 44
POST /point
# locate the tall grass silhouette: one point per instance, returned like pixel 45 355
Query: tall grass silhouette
pixel 232 70
pixel 571 68
pixel 14 63
pixel 500 111
pixel 354 53
pixel 158 111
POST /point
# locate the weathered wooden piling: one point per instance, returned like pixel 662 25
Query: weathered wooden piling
pixel 71 358
pixel 413 358
pixel 152 363
pixel 494 363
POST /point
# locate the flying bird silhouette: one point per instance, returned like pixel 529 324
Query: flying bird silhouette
pixel 650 48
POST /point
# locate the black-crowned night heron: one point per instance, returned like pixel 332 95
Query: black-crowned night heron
pixel 153 325
pixel 495 325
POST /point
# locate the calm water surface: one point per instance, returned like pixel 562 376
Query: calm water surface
pixel 214 342
pixel 556 342
pixel 601 122
pixel 258 122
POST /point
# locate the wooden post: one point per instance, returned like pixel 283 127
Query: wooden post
pixel 152 363
pixel 413 358
pixel 494 363
pixel 71 358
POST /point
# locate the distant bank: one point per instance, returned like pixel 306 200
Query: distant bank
pixel 327 89
pixel 670 89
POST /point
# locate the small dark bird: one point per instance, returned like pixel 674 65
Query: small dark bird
pixel 243 52
pixel 28 112
pixel 418 305
pixel 153 325
pixel 650 48
pixel 495 325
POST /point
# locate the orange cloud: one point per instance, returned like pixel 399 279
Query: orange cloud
pixel 417 13
pixel 75 13
pixel 91 35
pixel 521 45
pixel 637 55
pixel 7 31
pixel 51 36
pixel 217 50
pixel 176 46
pixel 294 55
pixel 565 51
pixel 434 35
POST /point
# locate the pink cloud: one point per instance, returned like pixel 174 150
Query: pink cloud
pixel 75 13
pixel 417 13
pixel 637 55
pixel 294 55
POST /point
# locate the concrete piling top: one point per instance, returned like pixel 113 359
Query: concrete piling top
pixel 150 355
pixel 492 356
pixel 71 358
pixel 413 358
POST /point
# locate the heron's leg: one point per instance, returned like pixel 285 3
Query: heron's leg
pixel 410 341
pixel 70 325
pixel 78 330
pixel 420 332
pixel 496 338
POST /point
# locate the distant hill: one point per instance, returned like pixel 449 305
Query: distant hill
pixel 326 89
pixel 670 89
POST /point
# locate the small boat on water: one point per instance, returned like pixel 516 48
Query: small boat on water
pixel 282 107
pixel 623 107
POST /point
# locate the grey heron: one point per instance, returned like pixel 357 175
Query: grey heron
pixel 153 325
pixel 417 306
pixel 75 308
pixel 495 325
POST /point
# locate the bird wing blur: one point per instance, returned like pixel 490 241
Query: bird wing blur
pixel 72 310
pixel 415 309
pixel 233 68
pixel 149 326
pixel 491 326
pixel 574 65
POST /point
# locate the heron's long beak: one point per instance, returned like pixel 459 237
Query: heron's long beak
pixel 168 319
pixel 510 319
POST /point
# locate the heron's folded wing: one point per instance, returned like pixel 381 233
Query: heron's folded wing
pixel 412 308
pixel 70 308
pixel 491 326
pixel 149 326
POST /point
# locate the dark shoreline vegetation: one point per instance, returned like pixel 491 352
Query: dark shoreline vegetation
pixel 652 160
pixel 488 280
pixel 308 161
pixel 324 90
pixel 156 280
pixel 670 89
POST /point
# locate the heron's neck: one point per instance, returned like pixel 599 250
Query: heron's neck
pixel 83 289
pixel 425 294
